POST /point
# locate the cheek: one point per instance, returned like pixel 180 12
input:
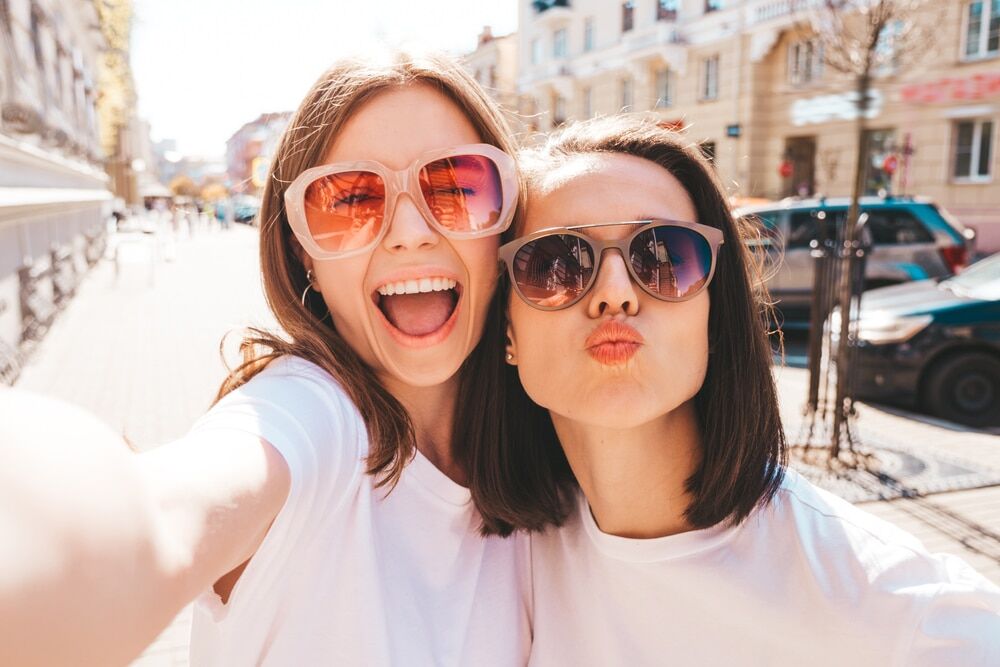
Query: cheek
pixel 342 283
pixel 682 352
pixel 542 359
pixel 481 261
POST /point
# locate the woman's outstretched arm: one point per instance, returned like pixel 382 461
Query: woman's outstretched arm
pixel 101 547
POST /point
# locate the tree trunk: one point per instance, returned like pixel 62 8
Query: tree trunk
pixel 847 268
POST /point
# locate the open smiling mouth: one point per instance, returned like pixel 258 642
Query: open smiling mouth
pixel 419 311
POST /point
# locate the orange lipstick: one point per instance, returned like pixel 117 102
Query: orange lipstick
pixel 613 343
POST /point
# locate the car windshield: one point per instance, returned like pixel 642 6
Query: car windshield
pixel 979 281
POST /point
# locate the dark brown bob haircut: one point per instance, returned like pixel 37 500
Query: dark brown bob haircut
pixel 743 442
pixel 306 328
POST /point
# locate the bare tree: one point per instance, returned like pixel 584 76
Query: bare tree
pixel 864 40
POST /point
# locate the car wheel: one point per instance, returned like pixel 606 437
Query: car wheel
pixel 965 389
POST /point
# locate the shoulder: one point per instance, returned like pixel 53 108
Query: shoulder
pixel 947 612
pixel 851 542
pixel 296 388
pixel 301 410
pixel 820 515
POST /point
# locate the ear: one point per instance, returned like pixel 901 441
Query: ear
pixel 307 261
pixel 511 347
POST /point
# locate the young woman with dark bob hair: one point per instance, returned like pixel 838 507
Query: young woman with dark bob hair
pixel 636 324
pixel 323 510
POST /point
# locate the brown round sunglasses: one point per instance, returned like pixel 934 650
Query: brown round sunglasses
pixel 670 260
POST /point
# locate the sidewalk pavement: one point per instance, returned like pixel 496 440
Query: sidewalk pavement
pixel 141 350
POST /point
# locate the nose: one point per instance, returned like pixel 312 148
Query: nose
pixel 408 229
pixel 613 291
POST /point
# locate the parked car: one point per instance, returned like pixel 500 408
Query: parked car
pixel 912 239
pixel 934 345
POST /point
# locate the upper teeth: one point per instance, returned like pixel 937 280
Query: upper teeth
pixel 417 286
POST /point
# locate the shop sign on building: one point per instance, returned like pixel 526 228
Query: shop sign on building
pixel 826 108
pixel 976 87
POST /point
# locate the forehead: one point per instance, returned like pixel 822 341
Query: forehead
pixel 399 124
pixel 606 188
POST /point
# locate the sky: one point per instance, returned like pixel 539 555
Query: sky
pixel 203 68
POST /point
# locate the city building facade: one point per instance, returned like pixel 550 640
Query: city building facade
pixel 747 81
pixel 249 151
pixel 54 193
pixel 494 64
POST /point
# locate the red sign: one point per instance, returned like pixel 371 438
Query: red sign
pixel 672 125
pixel 890 164
pixel 785 169
pixel 975 87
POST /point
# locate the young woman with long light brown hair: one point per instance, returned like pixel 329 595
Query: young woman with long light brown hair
pixel 324 510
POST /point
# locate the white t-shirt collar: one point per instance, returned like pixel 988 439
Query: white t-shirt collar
pixel 653 549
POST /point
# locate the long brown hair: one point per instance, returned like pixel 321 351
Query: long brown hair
pixel 743 443
pixel 307 330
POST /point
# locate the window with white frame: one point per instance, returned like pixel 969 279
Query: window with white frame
pixel 664 89
pixel 628 15
pixel 713 5
pixel 588 34
pixel 588 102
pixel 886 52
pixel 805 62
pixel 666 10
pixel 982 29
pixel 536 51
pixel 559 43
pixel 626 90
pixel 973 150
pixel 710 78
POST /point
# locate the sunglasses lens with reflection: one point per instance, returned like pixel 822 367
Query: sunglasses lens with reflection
pixel 553 271
pixel 345 210
pixel 463 192
pixel 674 262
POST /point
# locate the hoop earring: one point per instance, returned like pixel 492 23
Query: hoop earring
pixel 309 284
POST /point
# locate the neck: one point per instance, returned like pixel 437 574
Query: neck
pixel 634 478
pixel 432 413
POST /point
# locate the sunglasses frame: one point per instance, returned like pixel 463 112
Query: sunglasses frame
pixel 397 182
pixel 712 235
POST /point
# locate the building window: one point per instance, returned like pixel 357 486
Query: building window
pixel 982 29
pixel 710 78
pixel 588 102
pixel 628 15
pixel 493 76
pixel 545 5
pixel 559 43
pixel 886 51
pixel 973 150
pixel 712 5
pixel 805 62
pixel 626 89
pixel 588 34
pixel 666 10
pixel 559 110
pixel 664 91
pixel 536 51
pixel 880 146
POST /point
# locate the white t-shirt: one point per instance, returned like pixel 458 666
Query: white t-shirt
pixel 809 580
pixel 347 575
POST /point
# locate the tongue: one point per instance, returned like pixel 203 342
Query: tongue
pixel 418 314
